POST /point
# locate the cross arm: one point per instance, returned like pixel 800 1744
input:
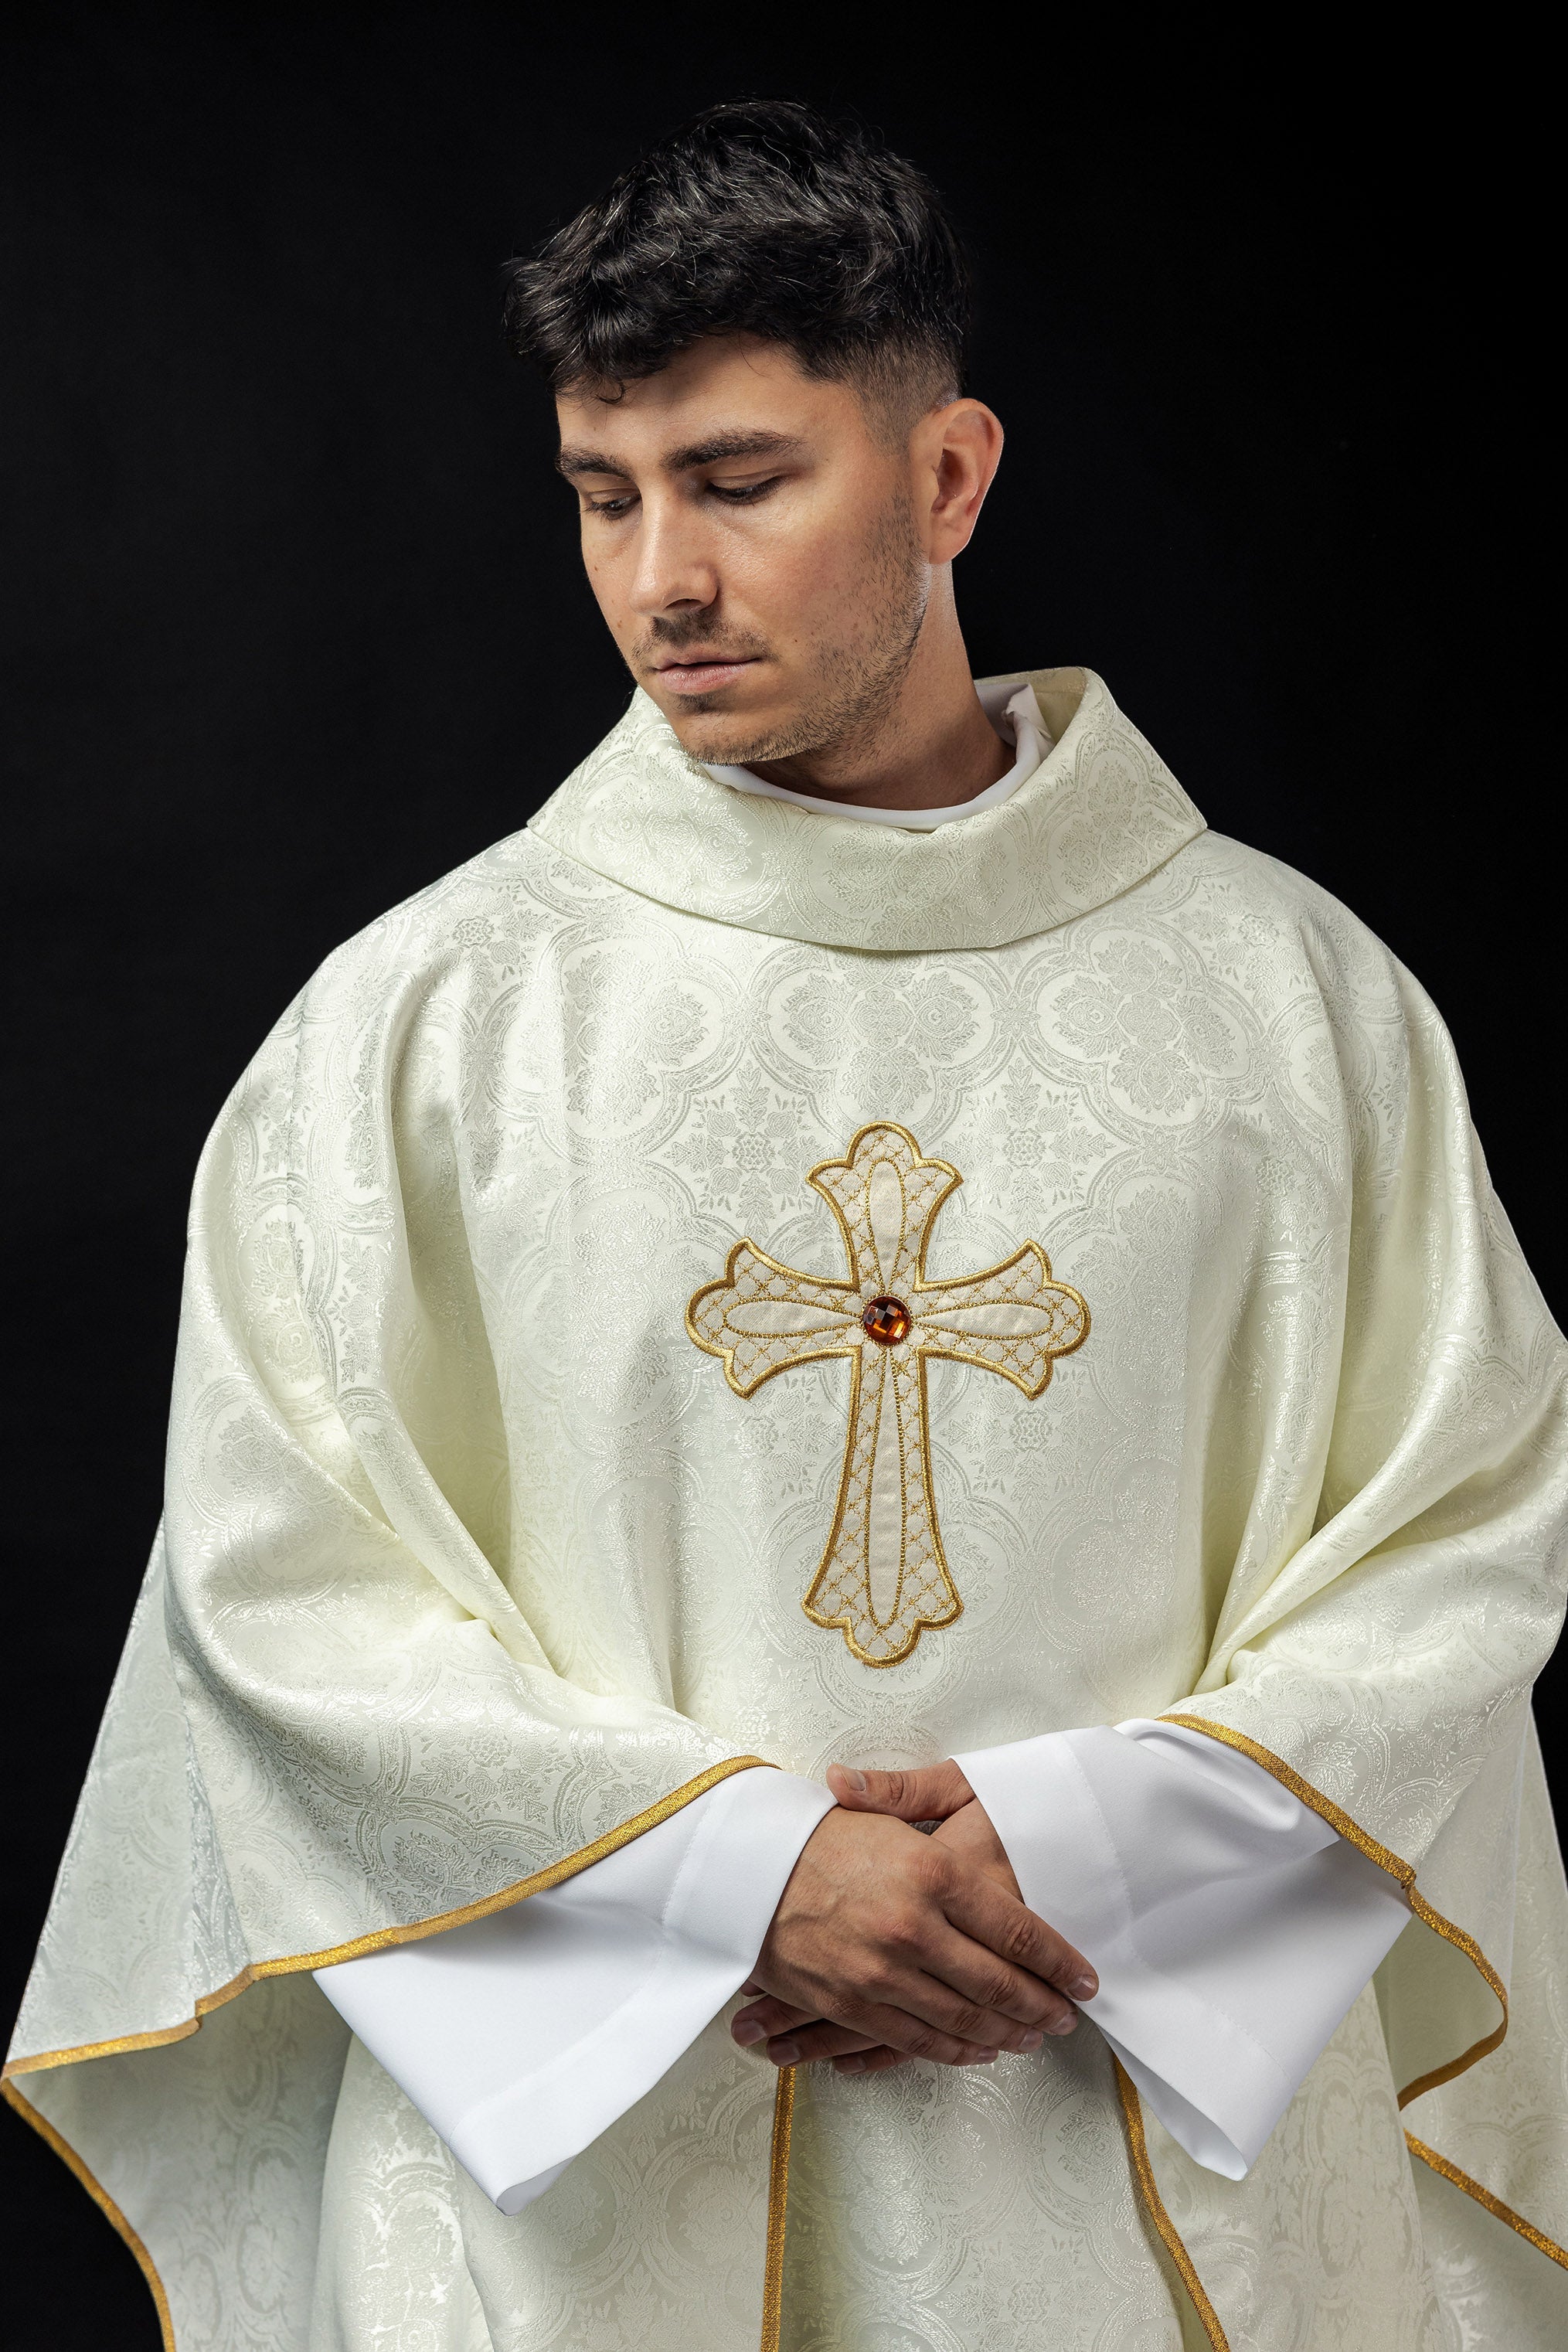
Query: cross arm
pixel 1013 1320
pixel 764 1317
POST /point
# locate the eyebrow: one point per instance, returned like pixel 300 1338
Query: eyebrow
pixel 706 452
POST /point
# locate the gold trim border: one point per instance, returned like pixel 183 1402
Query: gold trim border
pixel 553 1875
pixel 778 2202
pixel 100 2197
pixel 1405 1872
pixel 1148 2188
pixel 384 1938
pixel 1548 2246
pixel 1397 1868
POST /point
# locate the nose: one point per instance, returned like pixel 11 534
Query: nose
pixel 674 570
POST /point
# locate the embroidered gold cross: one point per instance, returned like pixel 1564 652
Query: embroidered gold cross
pixel 882 1577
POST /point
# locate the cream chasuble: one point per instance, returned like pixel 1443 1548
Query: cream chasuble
pixel 709 1285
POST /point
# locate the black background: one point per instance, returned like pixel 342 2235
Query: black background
pixel 294 620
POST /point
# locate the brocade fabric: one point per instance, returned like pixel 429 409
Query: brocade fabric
pixel 471 1562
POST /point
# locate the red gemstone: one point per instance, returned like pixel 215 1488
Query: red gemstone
pixel 887 1322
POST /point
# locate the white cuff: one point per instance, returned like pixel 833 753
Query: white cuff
pixel 1231 1927
pixel 522 2037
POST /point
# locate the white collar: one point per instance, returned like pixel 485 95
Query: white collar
pixel 1012 711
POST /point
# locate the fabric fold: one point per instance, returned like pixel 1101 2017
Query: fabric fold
pixel 520 2039
pixel 473 1558
pixel 1231 1929
pixel 1097 815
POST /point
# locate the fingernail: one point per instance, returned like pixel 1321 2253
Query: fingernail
pixel 851 2065
pixel 784 2052
pixel 1032 2040
pixel 986 2057
pixel 856 1779
pixel 749 2032
pixel 1084 1987
pixel 1063 2024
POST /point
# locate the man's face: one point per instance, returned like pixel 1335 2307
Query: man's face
pixel 755 548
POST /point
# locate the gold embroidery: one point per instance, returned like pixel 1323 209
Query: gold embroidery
pixel 882 1577
pixel 1148 2189
pixel 778 2200
pixel 1548 2246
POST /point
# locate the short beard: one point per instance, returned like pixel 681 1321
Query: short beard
pixel 860 675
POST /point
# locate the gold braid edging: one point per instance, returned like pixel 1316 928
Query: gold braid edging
pixel 1385 1859
pixel 385 1938
pixel 554 1874
pixel 101 2199
pixel 1548 2246
pixel 1397 1868
pixel 778 2200
pixel 1148 2188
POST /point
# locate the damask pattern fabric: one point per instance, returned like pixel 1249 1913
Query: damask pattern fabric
pixel 522 2036
pixel 1232 1930
pixel 1098 814
pixel 473 1566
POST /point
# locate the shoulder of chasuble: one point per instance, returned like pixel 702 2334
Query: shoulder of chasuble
pixel 551 920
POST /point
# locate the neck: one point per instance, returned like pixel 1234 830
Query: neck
pixel 933 746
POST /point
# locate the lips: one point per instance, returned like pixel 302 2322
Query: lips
pixel 701 677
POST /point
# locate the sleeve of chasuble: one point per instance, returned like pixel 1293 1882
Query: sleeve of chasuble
pixel 1232 1930
pixel 1231 1926
pixel 523 2037
pixel 1384 1507
pixel 405 1707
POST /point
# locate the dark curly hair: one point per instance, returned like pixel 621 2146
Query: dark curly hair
pixel 757 216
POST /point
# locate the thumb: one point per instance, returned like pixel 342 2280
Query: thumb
pixel 929 1794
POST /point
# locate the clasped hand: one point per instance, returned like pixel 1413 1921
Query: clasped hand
pixel 889 1944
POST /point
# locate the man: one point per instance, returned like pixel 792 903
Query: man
pixel 863 1242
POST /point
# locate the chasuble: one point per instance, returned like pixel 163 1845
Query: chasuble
pixel 712 1286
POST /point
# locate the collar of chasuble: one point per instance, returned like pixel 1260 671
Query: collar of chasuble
pixel 1100 813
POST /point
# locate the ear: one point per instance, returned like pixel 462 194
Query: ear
pixel 955 452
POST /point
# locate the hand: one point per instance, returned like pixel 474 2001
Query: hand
pixel 887 1945
pixel 939 1790
pixel 964 1830
pixel 967 1833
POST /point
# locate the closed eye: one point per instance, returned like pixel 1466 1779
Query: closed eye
pixel 746 493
